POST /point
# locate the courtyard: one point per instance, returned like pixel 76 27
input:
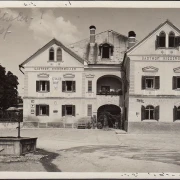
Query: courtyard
pixel 82 150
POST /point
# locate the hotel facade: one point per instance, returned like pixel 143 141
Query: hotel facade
pixel 138 82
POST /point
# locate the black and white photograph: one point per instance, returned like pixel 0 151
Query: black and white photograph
pixel 89 89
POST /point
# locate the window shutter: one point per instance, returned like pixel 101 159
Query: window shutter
pixel 37 86
pixel 59 54
pixel 89 86
pixel 63 110
pixel 143 82
pixel 174 82
pixel 73 110
pixel 47 110
pixel 37 110
pixel 175 113
pixel 63 86
pixel 89 110
pixel 142 113
pixel 157 113
pixel 48 86
pixel 74 86
pixel 157 42
pixel 157 82
pixel 177 41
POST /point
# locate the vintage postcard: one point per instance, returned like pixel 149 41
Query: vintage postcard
pixel 91 88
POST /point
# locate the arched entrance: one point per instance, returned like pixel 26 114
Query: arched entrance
pixel 110 116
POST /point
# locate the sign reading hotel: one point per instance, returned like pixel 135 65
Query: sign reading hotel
pixel 55 69
pixel 161 58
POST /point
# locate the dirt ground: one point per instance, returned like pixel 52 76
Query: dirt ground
pixel 73 150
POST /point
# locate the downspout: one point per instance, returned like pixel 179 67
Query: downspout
pixel 20 66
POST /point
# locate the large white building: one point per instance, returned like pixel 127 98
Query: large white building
pixel 137 82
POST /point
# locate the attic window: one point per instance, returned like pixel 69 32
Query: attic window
pixel 51 54
pixel 106 50
pixel 162 39
pixel 171 39
pixel 59 54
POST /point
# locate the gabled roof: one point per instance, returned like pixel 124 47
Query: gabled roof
pixel 99 34
pixel 53 41
pixel 166 22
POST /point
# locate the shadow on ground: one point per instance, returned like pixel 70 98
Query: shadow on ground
pixel 47 160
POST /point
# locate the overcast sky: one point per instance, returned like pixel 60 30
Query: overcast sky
pixel 38 26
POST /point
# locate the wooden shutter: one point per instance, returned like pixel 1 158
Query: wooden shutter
pixel 63 86
pixel 37 110
pixel 37 86
pixel 48 86
pixel 175 113
pixel 156 113
pixel 63 110
pixel 157 82
pixel 174 82
pixel 177 41
pixel 59 54
pixel 157 42
pixel 143 82
pixel 47 110
pixel 142 113
pixel 74 86
pixel 89 110
pixel 89 86
pixel 73 110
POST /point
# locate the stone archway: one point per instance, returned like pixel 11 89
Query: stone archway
pixel 112 113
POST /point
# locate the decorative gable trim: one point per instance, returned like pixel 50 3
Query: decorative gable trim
pixel 89 75
pixel 150 69
pixel 68 75
pixel 43 75
pixel 49 44
pixel 177 70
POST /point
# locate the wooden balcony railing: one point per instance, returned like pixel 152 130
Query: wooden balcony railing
pixel 110 93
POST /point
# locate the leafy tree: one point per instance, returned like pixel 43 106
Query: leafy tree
pixel 8 89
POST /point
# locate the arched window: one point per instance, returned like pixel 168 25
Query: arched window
pixel 51 54
pixel 149 112
pixel 106 50
pixel 162 39
pixel 59 54
pixel 171 39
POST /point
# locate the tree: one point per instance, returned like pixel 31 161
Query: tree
pixel 8 89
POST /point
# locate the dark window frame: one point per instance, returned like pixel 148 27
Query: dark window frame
pixel 64 86
pixel 89 110
pixel 39 112
pixel 171 40
pixel 46 84
pixel 89 85
pixel 59 54
pixel 51 54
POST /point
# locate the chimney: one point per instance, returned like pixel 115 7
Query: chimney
pixel 131 39
pixel 92 34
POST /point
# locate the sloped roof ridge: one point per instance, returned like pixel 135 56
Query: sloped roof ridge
pixel 153 31
pixel 54 40
pixel 97 34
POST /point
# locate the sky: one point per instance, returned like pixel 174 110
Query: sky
pixel 32 28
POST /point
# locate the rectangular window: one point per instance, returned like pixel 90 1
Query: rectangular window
pixel 42 86
pixel 68 86
pixel 89 86
pixel 68 110
pixel 42 110
pixel 89 110
pixel 150 82
pixel 176 82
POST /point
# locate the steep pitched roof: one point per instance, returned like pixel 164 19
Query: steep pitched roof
pixel 162 24
pixel 53 41
pixel 99 34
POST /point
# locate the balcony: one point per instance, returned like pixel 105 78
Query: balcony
pixel 109 85
pixel 111 93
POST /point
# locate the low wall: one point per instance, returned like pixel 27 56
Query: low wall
pixel 154 127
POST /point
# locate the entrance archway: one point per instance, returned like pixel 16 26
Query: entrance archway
pixel 109 115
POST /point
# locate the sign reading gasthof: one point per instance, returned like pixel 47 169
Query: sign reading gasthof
pixel 161 58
